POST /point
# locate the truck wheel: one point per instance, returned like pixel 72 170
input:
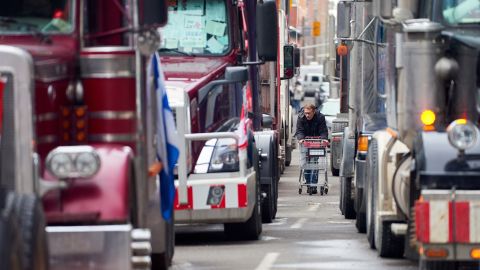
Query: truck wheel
pixel 360 219
pixel 252 228
pixel 268 204
pixel 162 261
pixel 29 210
pixel 389 245
pixel 335 172
pixel 10 237
pixel 370 184
pixel 349 208
pixel 288 156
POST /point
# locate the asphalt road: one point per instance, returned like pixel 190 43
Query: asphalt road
pixel 309 233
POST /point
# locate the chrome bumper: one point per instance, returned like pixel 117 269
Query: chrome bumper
pixel 97 247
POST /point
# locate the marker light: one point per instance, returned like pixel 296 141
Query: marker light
pixel 427 117
pixel 363 144
pixel 475 253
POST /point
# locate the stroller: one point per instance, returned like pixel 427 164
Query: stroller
pixel 313 159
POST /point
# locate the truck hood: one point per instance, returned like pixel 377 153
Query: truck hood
pixel 53 60
pixel 192 72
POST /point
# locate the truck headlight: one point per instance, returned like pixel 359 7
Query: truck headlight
pixel 73 162
pixel 225 156
pixel 462 134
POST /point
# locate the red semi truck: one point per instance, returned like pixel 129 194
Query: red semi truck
pixel 94 145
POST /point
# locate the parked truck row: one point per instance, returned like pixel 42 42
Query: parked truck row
pixel 73 81
pixel 408 157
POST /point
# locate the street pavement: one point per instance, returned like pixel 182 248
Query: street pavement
pixel 309 233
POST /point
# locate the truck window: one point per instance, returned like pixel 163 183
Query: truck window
pixel 46 16
pixel 315 79
pixel 101 30
pixel 196 27
pixel 221 104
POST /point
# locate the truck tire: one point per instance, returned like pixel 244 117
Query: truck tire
pixel 10 236
pixel 370 185
pixel 252 228
pixel 348 204
pixel 162 261
pixel 361 217
pixel 29 211
pixel 268 204
pixel 335 172
pixel 288 156
pixel 389 245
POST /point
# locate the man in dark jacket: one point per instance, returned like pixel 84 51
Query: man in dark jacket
pixel 310 123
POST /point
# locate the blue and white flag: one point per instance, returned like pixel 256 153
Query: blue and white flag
pixel 167 138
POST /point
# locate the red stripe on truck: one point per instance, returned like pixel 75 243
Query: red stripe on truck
pixel 189 205
pixel 242 195
pixel 462 222
pixel 422 221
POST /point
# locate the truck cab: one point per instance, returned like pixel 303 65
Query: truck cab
pixel 88 104
pixel 209 54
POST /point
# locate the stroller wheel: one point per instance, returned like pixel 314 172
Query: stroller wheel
pixel 326 191
pixel 321 191
pixel 300 191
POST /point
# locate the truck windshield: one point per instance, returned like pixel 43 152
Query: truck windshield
pixel 461 11
pixel 196 27
pixel 45 16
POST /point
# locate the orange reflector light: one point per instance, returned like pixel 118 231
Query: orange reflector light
pixel 80 124
pixel 81 136
pixel 436 252
pixel 65 111
pixel 428 117
pixel 66 124
pixel 80 111
pixel 363 143
pixel 66 136
pixel 475 253
pixel 428 128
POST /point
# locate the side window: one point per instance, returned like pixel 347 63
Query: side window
pixel 112 30
pixel 221 104
pixel 315 79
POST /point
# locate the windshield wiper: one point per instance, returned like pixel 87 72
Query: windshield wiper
pixel 30 26
pixel 176 51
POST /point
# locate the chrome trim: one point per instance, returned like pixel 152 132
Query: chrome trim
pixel 47 139
pixel 112 115
pixel 107 66
pixel 50 70
pixel 46 117
pixel 108 137
pixel 17 64
pixel 108 49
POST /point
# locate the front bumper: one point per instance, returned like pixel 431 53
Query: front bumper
pixel 235 205
pixel 448 224
pixel 98 247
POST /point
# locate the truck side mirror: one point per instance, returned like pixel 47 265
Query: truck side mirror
pixel 155 13
pixel 267 30
pixel 288 62
pixel 343 19
pixel 236 74
pixel 296 57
